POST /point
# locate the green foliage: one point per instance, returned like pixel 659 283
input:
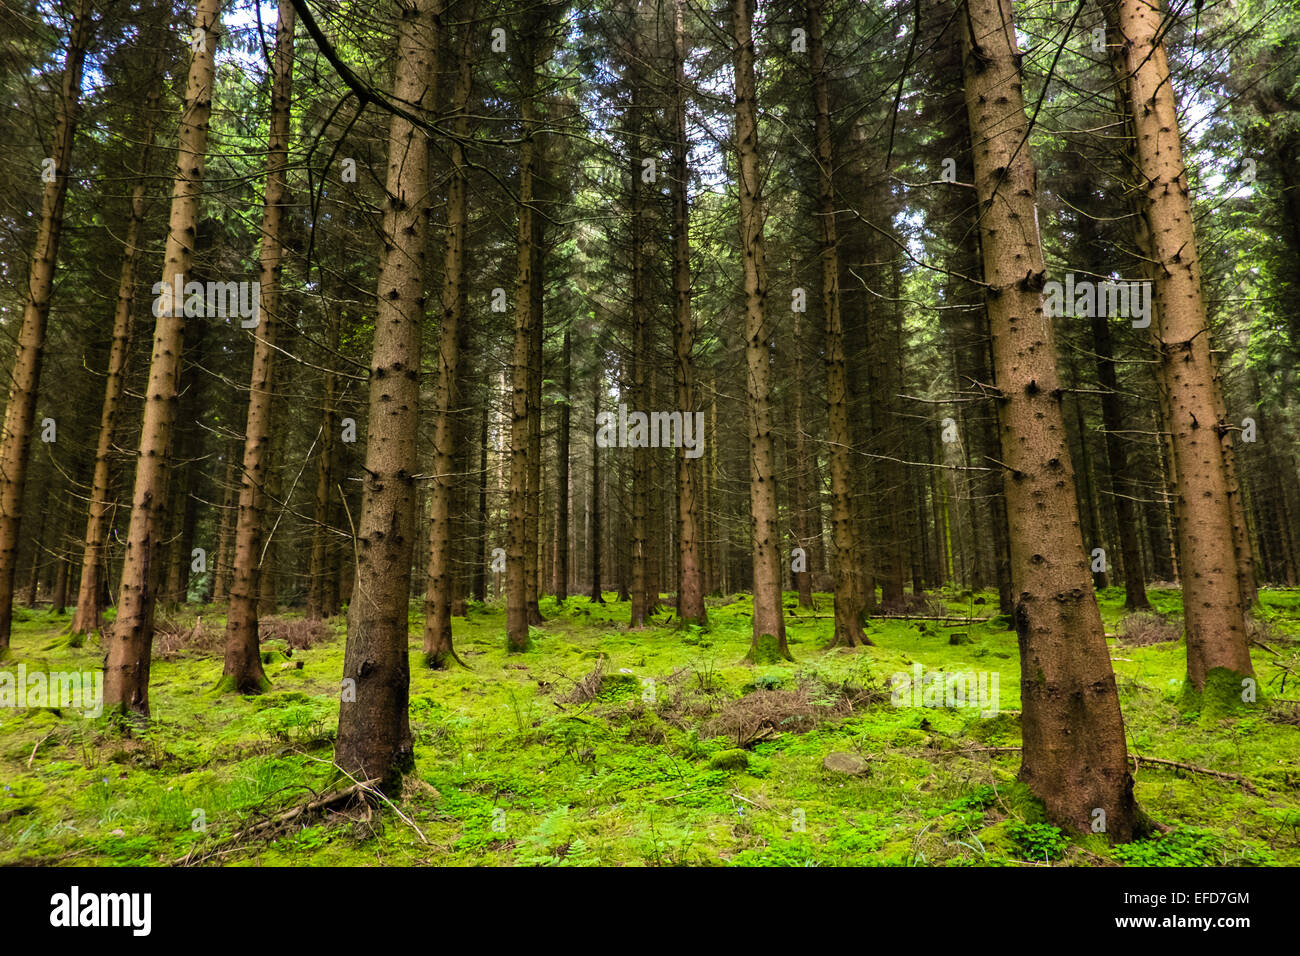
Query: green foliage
pixel 1038 841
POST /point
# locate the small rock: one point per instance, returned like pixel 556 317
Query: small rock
pixel 961 637
pixel 846 763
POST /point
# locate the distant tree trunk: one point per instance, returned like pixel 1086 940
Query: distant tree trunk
pixel 533 500
pixel 438 648
pixel 1217 643
pixel 88 615
pixel 596 595
pixel 849 603
pixel 374 736
pixel 321 567
pixel 1067 687
pixel 802 456
pixel 560 585
pixel 20 412
pixel 480 553
pixel 226 523
pixel 769 622
pixel 243 667
pixel 126 669
pixel 642 603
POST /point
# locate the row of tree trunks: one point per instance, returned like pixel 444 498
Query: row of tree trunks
pixel 15 439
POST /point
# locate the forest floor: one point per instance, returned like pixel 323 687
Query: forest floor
pixel 607 746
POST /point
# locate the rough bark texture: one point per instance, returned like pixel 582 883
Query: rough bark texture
pixel 520 387
pixel 849 604
pixel 438 648
pixel 1075 758
pixel 374 739
pixel 769 623
pixel 126 670
pixel 20 412
pixel 1212 598
pixel 243 666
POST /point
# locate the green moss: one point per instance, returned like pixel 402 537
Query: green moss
pixel 630 778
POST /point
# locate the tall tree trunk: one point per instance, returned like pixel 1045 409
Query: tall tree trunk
pixel 561 565
pixel 374 737
pixel 126 669
pixel 88 615
pixel 1075 758
pixel 226 519
pixel 15 439
pixel 642 602
pixel 1217 644
pixel 243 667
pixel 847 563
pixel 769 622
pixel 438 648
pixel 597 596
pixel 321 567
pixel 479 576
pixel 517 564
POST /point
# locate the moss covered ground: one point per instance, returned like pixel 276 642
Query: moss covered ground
pixel 602 745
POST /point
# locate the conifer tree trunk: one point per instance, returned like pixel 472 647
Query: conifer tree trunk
pixel 374 737
pixel 690 585
pixel 769 622
pixel 1074 757
pixel 1217 644
pixel 597 596
pixel 849 604
pixel 20 412
pixel 520 384
pixel 319 570
pixel 243 666
pixel 88 615
pixel 561 564
pixel 126 669
pixel 438 649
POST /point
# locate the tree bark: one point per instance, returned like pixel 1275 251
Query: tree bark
pixel 89 613
pixel 1217 644
pixel 20 412
pixel 438 648
pixel 847 563
pixel 374 737
pixel 243 671
pixel 1074 756
pixel 126 669
pixel 769 641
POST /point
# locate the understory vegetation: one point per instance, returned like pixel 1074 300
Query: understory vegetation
pixel 604 745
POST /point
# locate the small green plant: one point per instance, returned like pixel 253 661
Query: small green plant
pixel 1038 841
